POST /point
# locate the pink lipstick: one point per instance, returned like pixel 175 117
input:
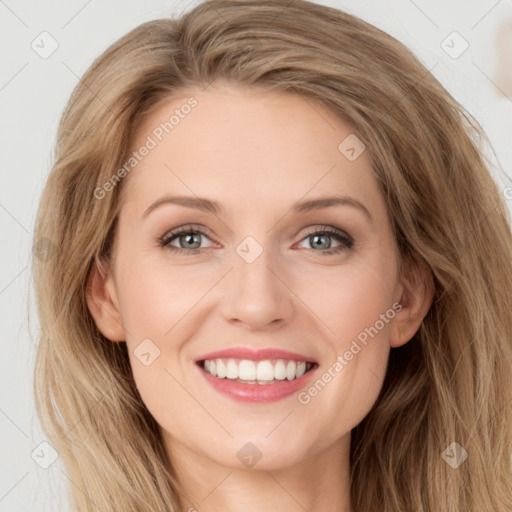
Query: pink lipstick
pixel 251 375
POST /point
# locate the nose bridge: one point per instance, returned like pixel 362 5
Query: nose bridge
pixel 252 263
pixel 256 296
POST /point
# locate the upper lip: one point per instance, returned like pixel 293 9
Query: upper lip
pixel 255 355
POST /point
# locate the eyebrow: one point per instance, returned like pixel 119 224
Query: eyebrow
pixel 207 205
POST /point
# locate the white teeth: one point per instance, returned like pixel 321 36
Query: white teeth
pixel 280 370
pixel 221 368
pixel 256 372
pixel 232 369
pixel 291 370
pixel 246 370
pixel 265 371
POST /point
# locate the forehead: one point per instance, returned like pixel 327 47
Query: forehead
pixel 248 146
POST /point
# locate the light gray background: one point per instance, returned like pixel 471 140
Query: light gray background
pixel 33 93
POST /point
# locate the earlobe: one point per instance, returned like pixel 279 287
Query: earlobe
pixel 417 295
pixel 102 302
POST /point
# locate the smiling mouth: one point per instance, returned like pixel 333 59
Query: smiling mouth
pixel 247 371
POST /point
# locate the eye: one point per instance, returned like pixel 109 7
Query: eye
pixel 321 239
pixel 187 237
pixel 189 240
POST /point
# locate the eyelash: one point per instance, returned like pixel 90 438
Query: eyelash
pixel 346 242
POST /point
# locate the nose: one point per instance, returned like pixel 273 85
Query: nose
pixel 256 294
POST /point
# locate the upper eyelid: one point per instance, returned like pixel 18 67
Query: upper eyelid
pixel 332 230
pixel 185 229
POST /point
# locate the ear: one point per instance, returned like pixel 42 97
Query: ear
pixel 102 302
pixel 416 292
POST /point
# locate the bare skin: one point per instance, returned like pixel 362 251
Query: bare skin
pixel 256 154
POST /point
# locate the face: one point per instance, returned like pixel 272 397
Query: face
pixel 257 272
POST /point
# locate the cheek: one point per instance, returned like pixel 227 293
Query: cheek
pixel 157 297
pixel 349 382
pixel 159 310
pixel 350 299
pixel 357 308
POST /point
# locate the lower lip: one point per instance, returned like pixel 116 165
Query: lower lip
pixel 256 392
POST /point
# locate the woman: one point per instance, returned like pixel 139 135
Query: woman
pixel 283 275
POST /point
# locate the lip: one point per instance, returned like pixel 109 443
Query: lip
pixel 256 393
pixel 259 393
pixel 255 355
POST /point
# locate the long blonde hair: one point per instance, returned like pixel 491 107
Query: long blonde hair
pixel 451 383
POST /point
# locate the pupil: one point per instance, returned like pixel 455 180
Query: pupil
pixel 190 239
pixel 323 246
